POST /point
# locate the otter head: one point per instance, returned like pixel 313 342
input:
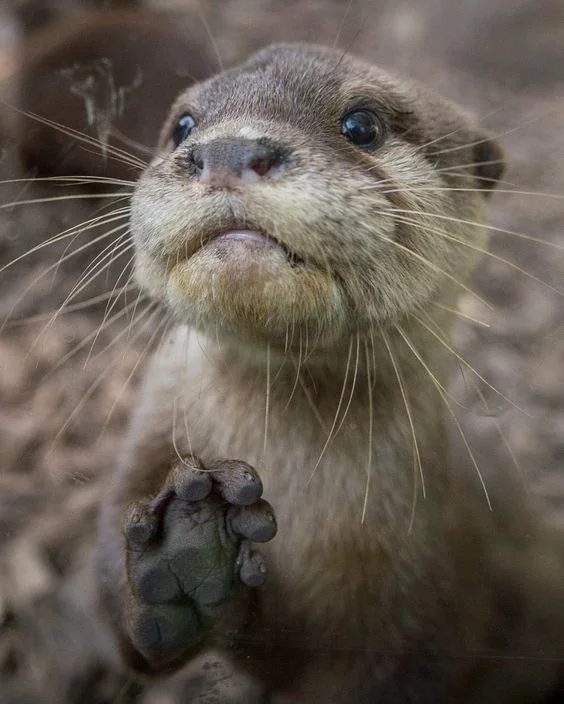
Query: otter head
pixel 307 193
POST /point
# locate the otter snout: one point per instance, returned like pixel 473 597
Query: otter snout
pixel 229 162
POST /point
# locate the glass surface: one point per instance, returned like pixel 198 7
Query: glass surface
pixel 76 335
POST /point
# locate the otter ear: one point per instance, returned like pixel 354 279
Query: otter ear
pixel 489 163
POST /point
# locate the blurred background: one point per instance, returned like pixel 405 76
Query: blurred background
pixel 60 378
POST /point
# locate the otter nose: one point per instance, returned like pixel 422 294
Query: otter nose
pixel 235 160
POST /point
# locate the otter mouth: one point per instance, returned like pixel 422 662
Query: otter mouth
pixel 252 238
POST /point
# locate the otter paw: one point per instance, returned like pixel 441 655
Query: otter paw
pixel 189 547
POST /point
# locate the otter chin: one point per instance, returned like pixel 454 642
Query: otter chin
pixel 242 281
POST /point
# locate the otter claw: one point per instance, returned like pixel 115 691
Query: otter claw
pixel 252 568
pixel 140 524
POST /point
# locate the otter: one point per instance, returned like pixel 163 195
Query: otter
pixel 309 220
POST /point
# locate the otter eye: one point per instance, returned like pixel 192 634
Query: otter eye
pixel 363 128
pixel 184 126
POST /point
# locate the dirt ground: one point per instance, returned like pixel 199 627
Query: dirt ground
pixel 61 418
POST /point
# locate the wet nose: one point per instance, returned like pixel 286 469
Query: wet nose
pixel 223 161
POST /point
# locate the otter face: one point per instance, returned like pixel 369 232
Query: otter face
pixel 307 193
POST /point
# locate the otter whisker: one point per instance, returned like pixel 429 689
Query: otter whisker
pixel 70 180
pixel 119 214
pixel 370 434
pixel 90 391
pixel 417 464
pixel 434 267
pixel 461 172
pixel 266 404
pixel 318 336
pixel 182 390
pixel 148 345
pixel 480 225
pixel 460 314
pixel 297 377
pixel 173 429
pixel 119 154
pixel 137 146
pixel 53 267
pixel 118 246
pixel 464 168
pixel 84 342
pixel 500 432
pixel 126 332
pixel 54 199
pixel 114 256
pixel 440 385
pixel 497 135
pixel 306 342
pixel 111 304
pixel 85 279
pixel 342 23
pixel 73 231
pixel 102 152
pixel 446 189
pixel 312 405
pixel 72 308
pixel 426 145
pixel 381 181
pixel 125 198
pixel 482 251
pixel 99 264
pixel 141 295
pixel 349 45
pixel 210 35
pixel 281 366
pixel 461 359
pixel 341 397
pixel 443 395
pixel 293 328
pixel 353 384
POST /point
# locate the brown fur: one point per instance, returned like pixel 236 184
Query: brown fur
pixel 374 593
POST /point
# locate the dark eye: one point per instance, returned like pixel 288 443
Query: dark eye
pixel 182 129
pixel 363 128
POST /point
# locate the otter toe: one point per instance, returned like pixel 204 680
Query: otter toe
pixel 236 481
pixel 256 522
pixel 251 565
